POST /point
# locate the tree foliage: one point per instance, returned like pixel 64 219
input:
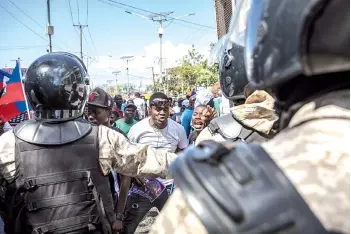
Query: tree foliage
pixel 192 73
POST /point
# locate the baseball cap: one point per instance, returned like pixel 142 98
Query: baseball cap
pixel 130 103
pixel 99 97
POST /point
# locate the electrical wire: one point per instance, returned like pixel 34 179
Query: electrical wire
pixel 171 18
pixel 23 47
pixel 42 27
pixel 87 11
pixel 78 11
pixel 26 14
pixel 70 9
pixel 23 24
pixel 92 40
pixel 85 39
pixel 68 3
pixel 31 19
pixel 113 5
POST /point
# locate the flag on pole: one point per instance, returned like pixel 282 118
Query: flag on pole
pixel 12 99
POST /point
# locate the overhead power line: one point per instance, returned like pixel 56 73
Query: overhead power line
pixel 160 14
pixel 78 11
pixel 124 73
pixel 92 40
pixel 68 3
pixel 85 38
pixel 23 47
pixel 23 24
pixel 70 9
pixel 26 15
pixel 19 46
pixel 87 11
pixel 36 22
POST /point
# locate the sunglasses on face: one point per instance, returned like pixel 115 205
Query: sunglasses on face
pixel 160 105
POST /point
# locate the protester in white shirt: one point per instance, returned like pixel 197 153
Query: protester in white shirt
pixel 161 133
pixel 4 127
pixel 140 104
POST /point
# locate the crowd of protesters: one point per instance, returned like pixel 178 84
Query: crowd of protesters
pixel 164 123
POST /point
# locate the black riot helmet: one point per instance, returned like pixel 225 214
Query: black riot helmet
pixel 290 39
pixel 55 86
pixel 229 52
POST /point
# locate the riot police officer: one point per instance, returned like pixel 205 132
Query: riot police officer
pixel 298 182
pixel 252 119
pixel 54 166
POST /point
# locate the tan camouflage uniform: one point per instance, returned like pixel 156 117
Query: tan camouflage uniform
pixel 314 155
pixel 257 112
pixel 115 152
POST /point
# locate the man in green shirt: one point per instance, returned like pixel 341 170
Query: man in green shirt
pixel 217 103
pixel 127 122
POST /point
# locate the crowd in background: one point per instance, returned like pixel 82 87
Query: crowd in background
pixel 163 122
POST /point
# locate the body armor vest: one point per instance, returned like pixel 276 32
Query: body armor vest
pixel 61 189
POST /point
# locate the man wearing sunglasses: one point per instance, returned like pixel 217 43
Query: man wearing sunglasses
pixel 161 133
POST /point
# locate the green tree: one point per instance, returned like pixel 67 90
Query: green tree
pixel 118 89
pixel 192 72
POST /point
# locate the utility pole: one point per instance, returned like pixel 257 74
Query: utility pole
pixel 81 26
pixel 153 78
pixel 166 79
pixel 116 74
pixel 160 18
pixel 160 34
pixel 128 58
pixel 49 28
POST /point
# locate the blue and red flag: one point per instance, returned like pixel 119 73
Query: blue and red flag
pixel 12 100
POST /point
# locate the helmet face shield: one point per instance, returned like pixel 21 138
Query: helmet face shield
pixel 217 50
pixel 55 86
pixel 236 33
pixel 253 38
pixel 238 23
pixel 230 54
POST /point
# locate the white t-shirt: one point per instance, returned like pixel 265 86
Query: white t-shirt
pixel 177 112
pixel 224 106
pixel 140 103
pixel 170 138
pixel 7 127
